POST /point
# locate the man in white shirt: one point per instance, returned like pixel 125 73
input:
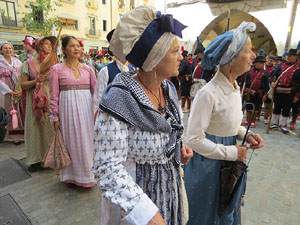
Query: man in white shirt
pixel 107 74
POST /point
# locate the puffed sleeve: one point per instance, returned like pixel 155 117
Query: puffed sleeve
pixel 198 123
pixel 116 184
pixel 4 89
pixel 54 93
pixel 25 69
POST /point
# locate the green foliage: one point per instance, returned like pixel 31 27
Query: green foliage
pixel 38 18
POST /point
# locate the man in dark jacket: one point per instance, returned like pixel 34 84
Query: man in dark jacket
pixel 257 86
pixel 185 76
pixel 197 61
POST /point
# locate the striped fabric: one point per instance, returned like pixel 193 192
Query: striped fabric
pixel 76 121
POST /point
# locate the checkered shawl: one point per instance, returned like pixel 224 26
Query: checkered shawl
pixel 125 100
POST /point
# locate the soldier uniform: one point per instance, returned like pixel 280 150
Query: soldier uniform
pixel 257 86
pixel 269 67
pixel 287 87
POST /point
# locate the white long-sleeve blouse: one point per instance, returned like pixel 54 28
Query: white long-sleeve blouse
pixel 216 110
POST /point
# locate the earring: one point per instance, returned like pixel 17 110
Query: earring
pixel 155 76
pixel 230 71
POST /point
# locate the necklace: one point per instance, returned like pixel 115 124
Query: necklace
pixel 160 109
pixel 75 71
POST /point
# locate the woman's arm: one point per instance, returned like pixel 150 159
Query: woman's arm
pixel 199 121
pixel 116 184
pixel 26 84
pixel 54 94
pixel 4 89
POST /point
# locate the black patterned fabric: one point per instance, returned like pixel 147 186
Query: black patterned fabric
pixel 125 100
pixel 161 182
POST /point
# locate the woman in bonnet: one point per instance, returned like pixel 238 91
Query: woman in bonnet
pixel 39 132
pixel 212 130
pixel 138 146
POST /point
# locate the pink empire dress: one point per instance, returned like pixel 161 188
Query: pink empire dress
pixel 71 104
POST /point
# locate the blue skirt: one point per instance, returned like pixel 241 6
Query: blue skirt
pixel 202 182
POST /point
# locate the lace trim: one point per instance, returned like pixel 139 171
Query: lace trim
pixel 158 51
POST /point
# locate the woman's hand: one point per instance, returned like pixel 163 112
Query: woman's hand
pixel 56 125
pixel 242 153
pixel 264 98
pixel 296 99
pixel 41 78
pixel 273 84
pixel 16 94
pixel 157 220
pixel 186 154
pixel 255 141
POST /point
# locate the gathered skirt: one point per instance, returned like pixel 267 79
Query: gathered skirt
pixel 76 122
pixel 163 185
pixel 39 133
pixel 202 182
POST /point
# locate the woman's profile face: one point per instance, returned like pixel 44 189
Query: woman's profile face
pixel 169 65
pixel 242 63
pixel 47 47
pixel 7 50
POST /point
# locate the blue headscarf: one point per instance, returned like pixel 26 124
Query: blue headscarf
pixel 226 46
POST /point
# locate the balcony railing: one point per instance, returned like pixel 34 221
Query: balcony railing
pixel 8 22
pixel 92 33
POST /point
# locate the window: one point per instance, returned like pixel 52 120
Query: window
pixel 104 25
pixel 69 23
pixel 92 21
pixel 8 13
pixel 103 2
pixel 121 4
pixel 38 14
pixel 91 3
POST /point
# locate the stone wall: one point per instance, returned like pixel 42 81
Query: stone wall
pixel 246 6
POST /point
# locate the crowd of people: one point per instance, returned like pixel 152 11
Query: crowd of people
pixel 256 85
pixel 121 121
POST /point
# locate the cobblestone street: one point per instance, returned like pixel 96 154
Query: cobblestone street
pixel 272 196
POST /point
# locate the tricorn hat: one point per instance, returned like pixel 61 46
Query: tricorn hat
pixel 260 58
pixel 108 38
pixel 292 51
pixel 279 58
pixel 184 53
pixel 271 57
pixel 200 48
